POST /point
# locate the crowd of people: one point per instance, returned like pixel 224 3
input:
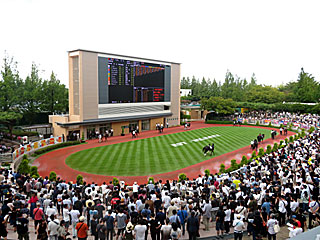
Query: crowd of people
pixel 277 189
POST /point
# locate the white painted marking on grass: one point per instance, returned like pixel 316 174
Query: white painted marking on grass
pixel 195 140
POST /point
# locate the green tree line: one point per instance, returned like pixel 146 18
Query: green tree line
pixel 22 100
pixel 305 89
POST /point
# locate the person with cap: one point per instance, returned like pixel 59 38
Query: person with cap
pixel 82 229
pixel 128 232
pixel 238 226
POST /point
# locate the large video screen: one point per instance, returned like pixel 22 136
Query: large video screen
pixel 132 81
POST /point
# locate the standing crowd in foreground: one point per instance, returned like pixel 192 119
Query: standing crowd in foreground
pixel 277 189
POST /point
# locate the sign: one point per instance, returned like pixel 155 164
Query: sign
pixel 51 141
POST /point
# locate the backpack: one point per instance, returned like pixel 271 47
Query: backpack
pixel 128 235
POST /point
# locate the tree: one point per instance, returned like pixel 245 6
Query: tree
pixel 55 99
pixel 24 167
pixel 307 88
pixel 264 94
pixel 10 85
pixel 9 119
pixel 219 105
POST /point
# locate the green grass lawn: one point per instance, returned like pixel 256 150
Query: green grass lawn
pixel 158 155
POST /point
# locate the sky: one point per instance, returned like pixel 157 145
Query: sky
pixel 272 38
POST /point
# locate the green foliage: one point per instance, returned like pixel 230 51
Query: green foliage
pixel 286 140
pixel 115 181
pixel 34 172
pixel 257 123
pixel 25 156
pixel 79 179
pixel 244 160
pixel 222 168
pixel 82 136
pixel 52 176
pixel 254 155
pixel 311 129
pixel 182 177
pixel 269 149
pixel 261 152
pixel 264 94
pixel 219 105
pixel 275 147
pixel 24 167
pixel 291 139
pixel 218 122
pixel 207 172
pixel 281 145
pixel 151 179
pixel 234 165
pixel 186 116
pixel 9 119
pixel 269 125
pixel 53 147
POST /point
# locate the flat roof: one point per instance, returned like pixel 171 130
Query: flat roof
pixel 114 119
pixel 83 50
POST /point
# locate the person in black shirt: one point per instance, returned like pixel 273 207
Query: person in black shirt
pixel 155 226
pixel 161 216
pixel 220 221
pixel 22 227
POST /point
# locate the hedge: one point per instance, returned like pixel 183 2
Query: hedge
pixel 56 146
pixel 219 122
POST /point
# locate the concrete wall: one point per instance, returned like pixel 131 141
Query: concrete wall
pixel 117 128
pixel 56 129
pixel 88 85
pixel 154 121
pixel 175 95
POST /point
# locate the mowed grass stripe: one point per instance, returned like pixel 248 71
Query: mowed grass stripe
pixel 156 155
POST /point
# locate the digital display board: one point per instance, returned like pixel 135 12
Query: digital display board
pixel 133 81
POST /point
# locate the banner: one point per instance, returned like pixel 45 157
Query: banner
pixel 28 148
pixel 59 139
pixel 35 145
pixel 51 141
pixel 21 150
pixel 43 143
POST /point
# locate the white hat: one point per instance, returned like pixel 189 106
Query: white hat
pixel 81 219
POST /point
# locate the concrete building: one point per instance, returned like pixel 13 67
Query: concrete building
pixel 119 92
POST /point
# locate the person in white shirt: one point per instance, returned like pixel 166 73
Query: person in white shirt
pixel 74 219
pixel 282 210
pixel 66 216
pixel 270 225
pixel 227 219
pixel 140 230
pixel 238 226
pixel 51 211
pixel 53 226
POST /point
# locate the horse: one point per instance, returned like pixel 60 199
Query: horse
pixel 206 149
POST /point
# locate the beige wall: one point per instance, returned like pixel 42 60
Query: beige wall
pixel 154 121
pixel 117 128
pixel 57 130
pixel 88 85
pixel 175 94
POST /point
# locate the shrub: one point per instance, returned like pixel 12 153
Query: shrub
pixel 258 123
pixel 269 125
pixel 245 122
pixel 281 125
pixel 311 129
pixel 115 181
pixel 254 155
pixel 297 136
pixel 24 167
pixel 207 172
pixel 269 149
pixel 222 168
pixel 261 152
pixel 286 140
pixel 291 139
pixel 56 146
pixel 151 179
pixel 182 177
pixel 275 147
pixel 219 122
pixel 79 179
pixel 34 172
pixel 82 136
pixel 234 165
pixel 25 156
pixel 244 160
pixel 52 176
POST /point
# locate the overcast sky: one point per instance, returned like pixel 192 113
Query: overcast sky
pixel 272 39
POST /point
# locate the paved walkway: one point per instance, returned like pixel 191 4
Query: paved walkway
pixel 55 160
